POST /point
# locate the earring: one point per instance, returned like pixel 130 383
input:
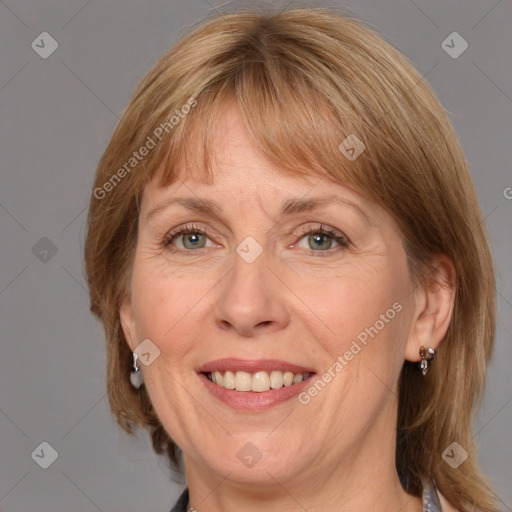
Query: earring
pixel 136 376
pixel 427 355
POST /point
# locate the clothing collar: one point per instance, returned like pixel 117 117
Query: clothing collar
pixel 429 498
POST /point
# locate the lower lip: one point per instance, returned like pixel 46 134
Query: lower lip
pixel 252 400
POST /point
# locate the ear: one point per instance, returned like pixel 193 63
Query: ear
pixel 435 299
pixel 128 322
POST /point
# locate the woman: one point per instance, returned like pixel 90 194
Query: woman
pixel 282 235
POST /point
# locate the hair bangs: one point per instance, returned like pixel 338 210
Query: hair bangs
pixel 292 123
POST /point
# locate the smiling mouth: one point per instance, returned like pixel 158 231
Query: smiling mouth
pixel 256 382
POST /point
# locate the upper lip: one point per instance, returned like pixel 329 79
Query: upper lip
pixel 252 366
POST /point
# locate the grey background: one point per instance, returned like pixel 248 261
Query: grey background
pixel 58 115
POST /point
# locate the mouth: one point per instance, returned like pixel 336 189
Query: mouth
pixel 257 382
pixel 254 385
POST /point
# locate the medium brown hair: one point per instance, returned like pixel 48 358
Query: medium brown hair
pixel 304 79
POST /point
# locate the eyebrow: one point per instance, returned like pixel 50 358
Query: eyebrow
pixel 288 207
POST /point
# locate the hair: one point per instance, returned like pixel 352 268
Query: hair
pixel 304 79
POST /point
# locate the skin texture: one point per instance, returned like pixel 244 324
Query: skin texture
pixel 296 302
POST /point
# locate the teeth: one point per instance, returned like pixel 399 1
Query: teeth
pixel 258 382
pixel 298 378
pixel 229 380
pixel 276 380
pixel 243 381
pixel 287 378
pixel 218 378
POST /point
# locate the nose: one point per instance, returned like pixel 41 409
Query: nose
pixel 252 300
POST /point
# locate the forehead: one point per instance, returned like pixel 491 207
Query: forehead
pixel 243 178
pixel 248 189
pixel 239 170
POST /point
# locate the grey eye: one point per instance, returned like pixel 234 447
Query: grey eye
pixel 320 241
pixel 193 240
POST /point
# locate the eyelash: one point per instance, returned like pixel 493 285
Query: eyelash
pixel 191 228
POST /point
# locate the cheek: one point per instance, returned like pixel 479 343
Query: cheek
pixel 365 314
pixel 161 302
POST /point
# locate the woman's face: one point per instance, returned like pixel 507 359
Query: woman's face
pixel 276 274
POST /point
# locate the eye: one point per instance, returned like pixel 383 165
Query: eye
pixel 319 239
pixel 188 238
pixel 322 239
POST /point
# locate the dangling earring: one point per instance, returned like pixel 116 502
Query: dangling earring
pixel 427 355
pixel 136 376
